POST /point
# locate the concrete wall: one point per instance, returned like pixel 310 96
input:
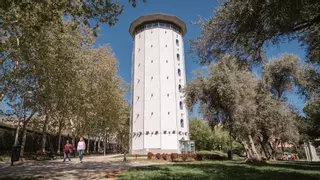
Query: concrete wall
pixel 156 113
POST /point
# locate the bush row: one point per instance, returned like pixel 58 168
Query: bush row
pixel 184 157
pixel 172 156
pixel 200 157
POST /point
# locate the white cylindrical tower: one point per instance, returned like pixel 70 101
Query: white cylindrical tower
pixel 159 119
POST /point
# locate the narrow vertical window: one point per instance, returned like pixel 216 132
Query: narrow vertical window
pixel 177 42
pixel 181 105
pixel 178 57
pixel 179 72
pixel 180 88
pixel 181 123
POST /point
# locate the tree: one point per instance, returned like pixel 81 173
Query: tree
pixel 46 49
pixel 220 137
pixel 313 118
pixel 229 90
pixel 280 74
pixel 246 107
pixel 277 123
pixel 245 28
pixel 201 133
pixel 24 24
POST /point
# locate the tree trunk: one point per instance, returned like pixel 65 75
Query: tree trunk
pixel 16 139
pixel 23 142
pixel 105 143
pixel 24 134
pixel 95 145
pixel 88 147
pixel 248 151
pixel 273 152
pixel 256 155
pixel 265 149
pixel 73 141
pixel 59 141
pixel 282 148
pixel 44 132
pixel 99 144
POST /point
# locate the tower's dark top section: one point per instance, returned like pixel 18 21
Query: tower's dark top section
pixel 158 20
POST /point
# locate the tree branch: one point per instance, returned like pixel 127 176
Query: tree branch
pixel 307 24
pixel 29 118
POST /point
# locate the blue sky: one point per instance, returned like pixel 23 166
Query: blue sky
pixel 121 41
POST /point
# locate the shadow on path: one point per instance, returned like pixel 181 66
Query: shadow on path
pixel 68 170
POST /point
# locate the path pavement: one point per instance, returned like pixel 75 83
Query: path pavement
pixel 95 167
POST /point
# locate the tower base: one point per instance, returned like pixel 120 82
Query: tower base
pixel 154 151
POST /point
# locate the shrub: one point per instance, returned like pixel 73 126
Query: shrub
pixel 158 156
pixel 204 152
pixel 150 155
pixel 164 156
pixel 193 156
pixel 174 156
pixel 184 157
pixel 206 155
pixel 42 153
pixel 199 157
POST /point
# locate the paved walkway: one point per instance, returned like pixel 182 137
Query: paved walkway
pixel 95 167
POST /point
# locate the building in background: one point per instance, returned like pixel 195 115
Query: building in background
pixel 159 119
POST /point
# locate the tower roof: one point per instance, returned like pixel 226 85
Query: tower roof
pixel 157 17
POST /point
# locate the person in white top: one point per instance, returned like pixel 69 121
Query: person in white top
pixel 81 147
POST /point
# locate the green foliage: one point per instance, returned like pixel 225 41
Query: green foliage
pixel 220 137
pixel 46 49
pixel 244 29
pixel 217 170
pixel 312 121
pixel 280 74
pixel 206 137
pixel 246 106
pixel 201 133
pixel 257 110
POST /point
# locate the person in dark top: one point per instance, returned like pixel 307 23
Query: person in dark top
pixel 51 153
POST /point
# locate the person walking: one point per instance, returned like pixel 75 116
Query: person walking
pixel 81 147
pixel 67 149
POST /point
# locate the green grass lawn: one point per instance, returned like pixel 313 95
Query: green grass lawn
pixel 229 170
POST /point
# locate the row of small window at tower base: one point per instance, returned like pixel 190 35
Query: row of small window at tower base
pixel 157 132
